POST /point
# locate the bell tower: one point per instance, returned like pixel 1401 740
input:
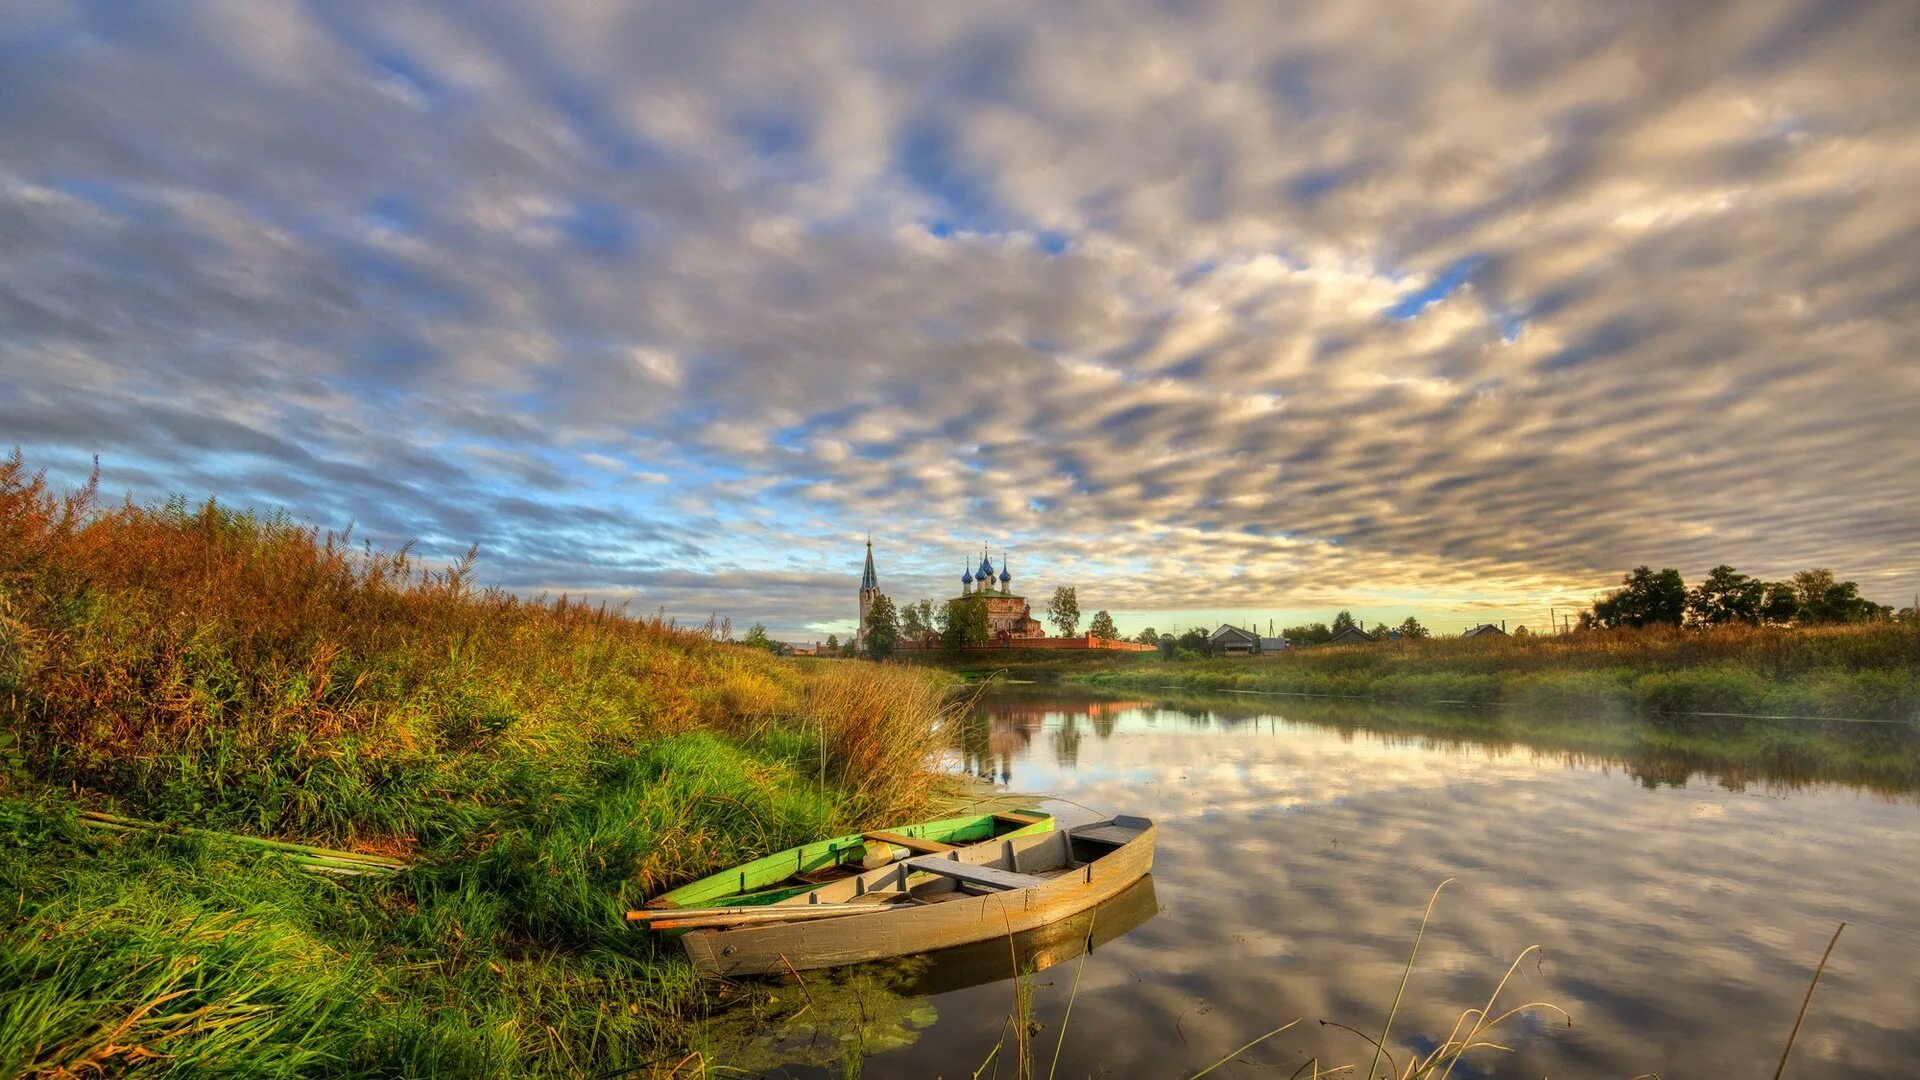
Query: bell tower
pixel 869 588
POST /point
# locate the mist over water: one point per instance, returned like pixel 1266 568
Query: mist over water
pixel 1680 914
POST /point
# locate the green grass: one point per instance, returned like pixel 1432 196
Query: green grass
pixel 196 957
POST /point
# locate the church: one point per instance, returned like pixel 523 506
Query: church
pixel 1009 616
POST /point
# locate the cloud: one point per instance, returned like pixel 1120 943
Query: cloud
pixel 1202 308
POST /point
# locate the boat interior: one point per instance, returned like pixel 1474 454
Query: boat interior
pixel 858 855
pixel 927 873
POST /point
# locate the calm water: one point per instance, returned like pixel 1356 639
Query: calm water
pixel 1679 920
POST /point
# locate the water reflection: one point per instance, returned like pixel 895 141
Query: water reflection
pixel 1002 726
pixel 1734 753
pixel 1682 880
pixel 985 962
pixel 834 1019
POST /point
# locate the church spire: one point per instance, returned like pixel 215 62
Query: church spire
pixel 868 579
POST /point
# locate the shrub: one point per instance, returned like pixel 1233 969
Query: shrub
pixel 1719 688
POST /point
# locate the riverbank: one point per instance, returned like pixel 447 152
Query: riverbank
pixel 540 766
pixel 1856 672
pixel 1658 751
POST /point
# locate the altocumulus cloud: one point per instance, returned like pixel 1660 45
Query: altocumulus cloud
pixel 1450 308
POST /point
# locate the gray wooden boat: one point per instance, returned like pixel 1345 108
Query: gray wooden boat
pixel 926 902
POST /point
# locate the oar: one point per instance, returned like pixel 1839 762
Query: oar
pixel 704 918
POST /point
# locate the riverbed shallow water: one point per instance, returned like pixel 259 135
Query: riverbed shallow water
pixel 1679 911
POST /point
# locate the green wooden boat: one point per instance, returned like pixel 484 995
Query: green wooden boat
pixel 791 872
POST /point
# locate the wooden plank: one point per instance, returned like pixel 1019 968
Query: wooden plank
pixel 911 843
pixel 1022 820
pixel 1105 834
pixel 973 874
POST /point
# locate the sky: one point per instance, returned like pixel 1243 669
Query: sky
pixel 1215 311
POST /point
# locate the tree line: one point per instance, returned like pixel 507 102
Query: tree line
pixel 1194 642
pixel 1646 597
pixel 1653 598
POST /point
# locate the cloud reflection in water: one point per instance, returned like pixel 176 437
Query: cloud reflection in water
pixel 1680 918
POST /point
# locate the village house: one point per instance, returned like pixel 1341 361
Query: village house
pixel 1233 641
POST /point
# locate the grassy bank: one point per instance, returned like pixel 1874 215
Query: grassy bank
pixel 1017 665
pixel 543 765
pixel 1863 672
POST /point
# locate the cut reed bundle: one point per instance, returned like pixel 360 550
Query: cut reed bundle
pixel 318 860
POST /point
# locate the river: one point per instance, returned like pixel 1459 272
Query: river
pixel 1679 909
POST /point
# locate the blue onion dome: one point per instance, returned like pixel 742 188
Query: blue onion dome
pixel 986 569
pixel 966 578
pixel 1004 575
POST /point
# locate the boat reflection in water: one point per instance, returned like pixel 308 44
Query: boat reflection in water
pixel 984 962
pixel 840 1017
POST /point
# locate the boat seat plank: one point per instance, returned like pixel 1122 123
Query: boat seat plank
pixel 1106 834
pixel 911 843
pixel 971 874
pixel 1011 818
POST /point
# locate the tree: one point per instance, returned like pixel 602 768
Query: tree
pixel 1811 587
pixel 1167 643
pixel 964 623
pixel 883 628
pixel 1782 603
pixel 1063 611
pixel 1412 629
pixel 757 639
pixel 1840 602
pixel 916 619
pixel 1102 626
pixel 1381 630
pixel 1344 621
pixel 1309 634
pixel 833 641
pixel 1194 640
pixel 1643 599
pixel 1726 596
pixel 1149 636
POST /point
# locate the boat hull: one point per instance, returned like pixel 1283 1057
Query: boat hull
pixel 852 939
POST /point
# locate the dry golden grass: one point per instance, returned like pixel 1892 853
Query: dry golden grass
pixel 192 645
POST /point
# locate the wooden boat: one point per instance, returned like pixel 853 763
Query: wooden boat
pixel 930 901
pixel 797 870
